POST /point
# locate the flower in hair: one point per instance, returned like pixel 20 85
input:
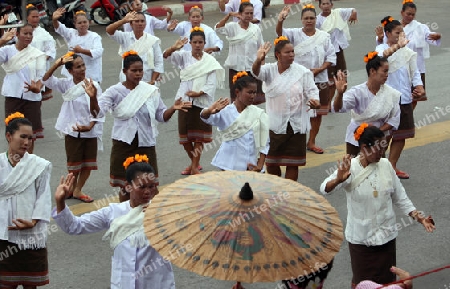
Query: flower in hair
pixel 386 22
pixel 309 6
pixel 281 38
pixel 128 53
pixel 133 159
pixel 197 29
pixel 195 7
pixel 13 116
pixel 239 75
pixel 68 54
pixel 370 56
pixel 29 6
pixel 245 1
pixel 80 12
pixel 360 131
pixel 407 1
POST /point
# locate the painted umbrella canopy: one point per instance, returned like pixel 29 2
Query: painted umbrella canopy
pixel 206 224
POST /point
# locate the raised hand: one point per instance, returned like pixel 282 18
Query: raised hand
pixel 182 105
pixel 130 16
pixel 167 9
pixel 9 34
pixel 340 81
pixel 235 14
pixel 353 18
pixel 379 31
pixel 58 13
pixel 343 171
pixel 4 19
pixel 89 87
pixel 63 189
pixel 402 41
pixel 180 43
pixel 172 25
pixel 284 13
pixel 263 50
pixel 218 105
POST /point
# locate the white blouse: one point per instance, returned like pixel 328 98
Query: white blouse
pixel 337 36
pixel 92 42
pixel 125 130
pixel 13 84
pixel 358 99
pixel 131 267
pixel 233 6
pixel 238 153
pixel 310 59
pixel 371 217
pixel 183 59
pixel 126 39
pixel 45 42
pixel 211 39
pixel 241 55
pixel 400 79
pixel 76 111
pixel 151 23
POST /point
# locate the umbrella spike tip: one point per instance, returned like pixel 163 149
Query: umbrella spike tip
pixel 246 192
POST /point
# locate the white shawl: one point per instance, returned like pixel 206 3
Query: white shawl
pixel 314 42
pixel 403 57
pixel 383 106
pixel 335 21
pixel 249 33
pixel 143 93
pixel 33 57
pixel 418 36
pixel 129 226
pixel 143 45
pixel 23 176
pixel 383 168
pixel 199 70
pixel 251 118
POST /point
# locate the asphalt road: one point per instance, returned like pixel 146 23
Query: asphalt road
pixel 84 261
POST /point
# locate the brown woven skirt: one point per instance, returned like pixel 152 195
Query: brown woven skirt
pixel 340 64
pixel 22 267
pixel 120 151
pixel 31 110
pixel 406 129
pixel 81 154
pixel 287 149
pixel 373 262
pixel 260 96
pixel 191 128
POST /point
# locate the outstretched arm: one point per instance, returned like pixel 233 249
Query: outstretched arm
pixel 281 17
pixel 178 45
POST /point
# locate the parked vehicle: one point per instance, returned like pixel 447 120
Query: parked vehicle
pixel 71 6
pixel 104 12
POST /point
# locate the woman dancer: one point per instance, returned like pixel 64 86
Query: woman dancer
pixel 137 107
pixel 25 206
pixel 199 74
pixel 314 50
pixel 24 66
pixel 290 92
pixel 80 40
pixel 82 131
pixel 244 128
pixel 133 255
pixel 372 189
pixel 403 74
pixel 420 37
pixel 43 41
pixel 151 21
pixel 146 45
pixel 213 44
pixel 373 101
pixel 245 38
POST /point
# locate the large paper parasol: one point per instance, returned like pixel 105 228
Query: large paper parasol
pixel 208 225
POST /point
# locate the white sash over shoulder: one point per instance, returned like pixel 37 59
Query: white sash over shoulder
pixel 199 70
pixel 381 106
pixel 313 43
pixel 335 21
pixel 418 36
pixel 383 166
pixel 283 81
pixel 403 57
pixel 251 118
pixel 249 33
pixel 144 46
pixel 33 57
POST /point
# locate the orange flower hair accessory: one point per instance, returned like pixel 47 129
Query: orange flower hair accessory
pixel 239 75
pixel 13 116
pixel 80 12
pixel 128 53
pixel 136 158
pixel 360 130
pixel 194 7
pixel 407 1
pixel 197 29
pixel 370 56
pixel 281 38
pixel 386 22
pixel 310 6
pixel 245 1
pixel 68 54
pixel 29 6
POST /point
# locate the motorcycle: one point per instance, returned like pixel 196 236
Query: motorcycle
pixel 14 12
pixel 71 6
pixel 104 12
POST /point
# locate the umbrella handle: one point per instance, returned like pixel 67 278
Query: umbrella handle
pixel 238 286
